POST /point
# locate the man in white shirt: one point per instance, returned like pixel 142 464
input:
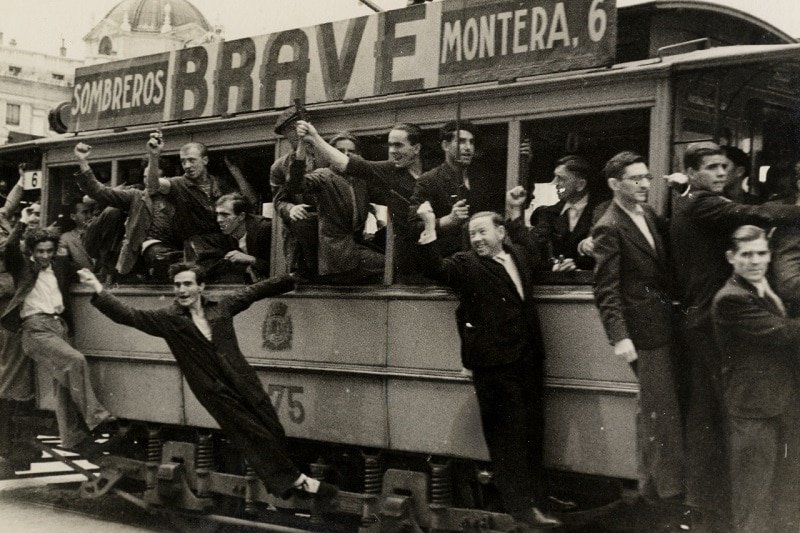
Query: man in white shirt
pixel 40 310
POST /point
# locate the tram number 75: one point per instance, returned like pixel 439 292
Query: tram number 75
pixel 297 413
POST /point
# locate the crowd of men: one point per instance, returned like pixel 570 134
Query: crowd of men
pixel 688 303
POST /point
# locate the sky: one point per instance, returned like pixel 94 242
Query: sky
pixel 40 25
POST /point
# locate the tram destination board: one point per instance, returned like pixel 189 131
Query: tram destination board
pixel 417 48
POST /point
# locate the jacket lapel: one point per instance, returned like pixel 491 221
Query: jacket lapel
pixel 499 275
pixel 627 225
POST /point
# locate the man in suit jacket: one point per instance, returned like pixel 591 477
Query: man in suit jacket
pixel 249 236
pixel 561 227
pixel 759 354
pixel 501 344
pixel 632 292
pixel 702 220
pixel 40 308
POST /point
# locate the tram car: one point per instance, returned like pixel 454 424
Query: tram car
pixel 367 380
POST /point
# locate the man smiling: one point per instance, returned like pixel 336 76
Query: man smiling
pixel 199 331
pixel 501 344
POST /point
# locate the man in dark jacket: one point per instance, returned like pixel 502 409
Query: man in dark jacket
pixel 40 308
pixel 702 220
pixel 250 239
pixel 501 344
pixel 632 292
pixel 559 228
pixel 454 189
pixel 759 359
pixel 199 332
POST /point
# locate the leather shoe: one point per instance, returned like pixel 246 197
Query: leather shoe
pixel 91 450
pixel 325 493
pixel 534 518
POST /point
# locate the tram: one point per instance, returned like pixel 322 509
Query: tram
pixel 367 380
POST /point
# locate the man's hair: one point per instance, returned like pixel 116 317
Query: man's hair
pixel 577 165
pixel 40 235
pixel 615 167
pixel 446 131
pixel 413 132
pixel 185 266
pixel 695 153
pixel 200 147
pixel 73 207
pixel 497 219
pixel 239 202
pixel 345 136
pixel 744 234
pixel 738 157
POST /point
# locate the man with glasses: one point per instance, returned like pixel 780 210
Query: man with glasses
pixel 632 292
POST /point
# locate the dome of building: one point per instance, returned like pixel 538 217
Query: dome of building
pixel 149 15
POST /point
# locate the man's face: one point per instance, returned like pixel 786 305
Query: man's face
pixel 569 186
pixel 194 165
pixel 751 260
pixel 187 291
pixel 486 238
pixel 711 175
pixel 82 216
pixel 401 152
pixel 35 215
pixel 634 183
pixel 43 253
pixel 461 152
pixel 346 146
pixel 227 219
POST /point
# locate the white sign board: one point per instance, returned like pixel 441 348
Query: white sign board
pixel 32 180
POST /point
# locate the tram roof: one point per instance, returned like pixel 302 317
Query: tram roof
pixel 708 10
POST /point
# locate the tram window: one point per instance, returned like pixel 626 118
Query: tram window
pixel 751 108
pixel 253 162
pixel 594 139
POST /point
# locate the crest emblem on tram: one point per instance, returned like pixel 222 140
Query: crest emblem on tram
pixel 276 332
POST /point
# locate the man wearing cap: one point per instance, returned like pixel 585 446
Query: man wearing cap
pixel 701 222
pixel 296 211
pixel 397 176
pixel 345 257
pixel 454 189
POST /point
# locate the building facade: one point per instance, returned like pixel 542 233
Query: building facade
pixel 31 84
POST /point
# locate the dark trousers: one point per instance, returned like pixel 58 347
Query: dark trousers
pixel 659 425
pixel 764 472
pixel 245 414
pixel 707 470
pixel 511 402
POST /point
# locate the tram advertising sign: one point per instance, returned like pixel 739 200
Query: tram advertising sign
pixel 420 47
pixel 132 91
